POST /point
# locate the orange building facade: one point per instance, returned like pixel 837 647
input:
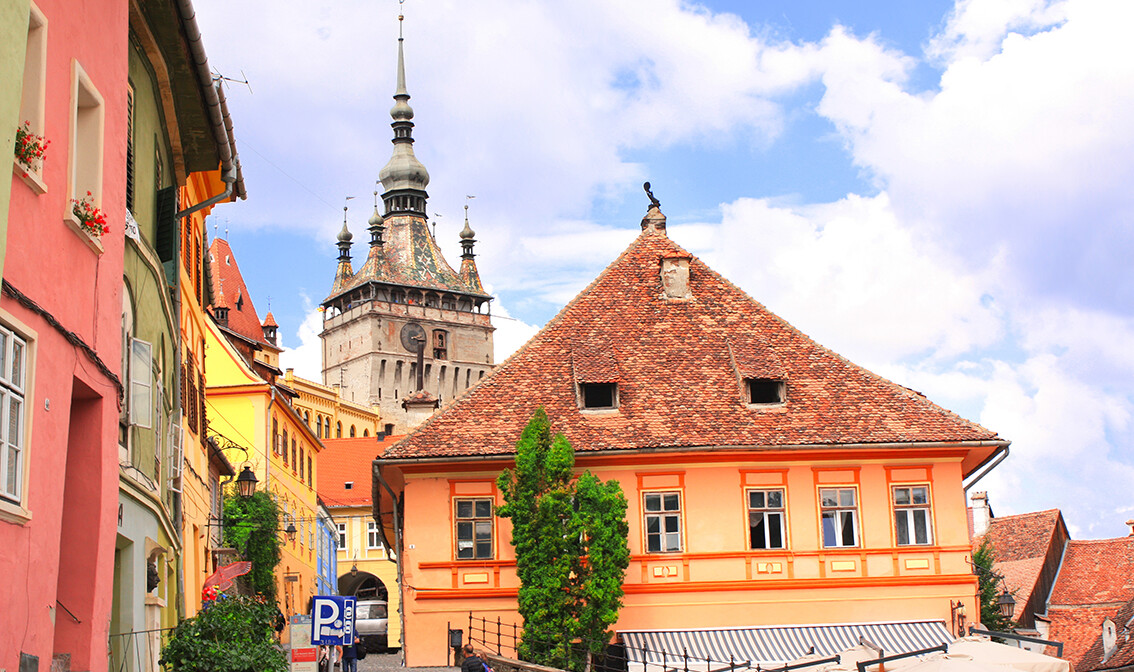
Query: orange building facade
pixel 769 481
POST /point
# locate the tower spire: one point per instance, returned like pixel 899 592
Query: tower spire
pixel 404 178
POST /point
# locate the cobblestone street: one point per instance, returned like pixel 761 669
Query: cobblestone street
pixel 381 662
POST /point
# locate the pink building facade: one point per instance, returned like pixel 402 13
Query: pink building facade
pixel 60 332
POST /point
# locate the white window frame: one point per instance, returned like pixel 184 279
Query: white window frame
pixel 474 523
pixel 909 511
pixel 33 94
pixel 87 129
pixel 14 389
pixel 769 512
pixel 663 515
pixel 141 383
pixel 839 510
pixel 373 538
pixel 341 536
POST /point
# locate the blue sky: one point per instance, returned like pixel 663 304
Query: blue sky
pixel 938 191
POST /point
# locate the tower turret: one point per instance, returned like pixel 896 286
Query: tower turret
pixel 404 177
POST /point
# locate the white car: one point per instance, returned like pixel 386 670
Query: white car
pixel 370 624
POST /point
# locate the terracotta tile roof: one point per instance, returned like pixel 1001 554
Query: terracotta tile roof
pixel 226 278
pixel 348 461
pixel 678 385
pixel 1020 537
pixel 1096 573
pixel 270 320
pixel 1080 630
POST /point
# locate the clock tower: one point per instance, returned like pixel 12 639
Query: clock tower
pixel 405 332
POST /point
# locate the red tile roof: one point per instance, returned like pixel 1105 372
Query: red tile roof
pixel 678 378
pixel 1080 630
pixel 1019 537
pixel 227 279
pixel 1096 573
pixel 348 460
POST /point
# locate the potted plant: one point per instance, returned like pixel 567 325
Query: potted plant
pixel 90 218
pixel 30 148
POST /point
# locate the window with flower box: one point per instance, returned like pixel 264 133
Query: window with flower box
pixel 86 138
pixel 33 96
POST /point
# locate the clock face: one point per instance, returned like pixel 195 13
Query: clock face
pixel 412 333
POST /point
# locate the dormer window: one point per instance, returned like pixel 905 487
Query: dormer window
pixel 765 391
pixel 598 395
pixel 349 485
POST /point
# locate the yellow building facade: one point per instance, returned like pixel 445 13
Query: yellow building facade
pixel 328 414
pixel 250 412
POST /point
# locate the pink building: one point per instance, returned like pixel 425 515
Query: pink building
pixel 60 340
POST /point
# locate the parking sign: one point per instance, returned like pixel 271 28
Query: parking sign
pixel 332 620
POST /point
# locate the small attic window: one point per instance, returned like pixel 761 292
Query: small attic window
pixel 349 485
pixel 765 391
pixel 599 395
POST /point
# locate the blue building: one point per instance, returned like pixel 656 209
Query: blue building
pixel 326 560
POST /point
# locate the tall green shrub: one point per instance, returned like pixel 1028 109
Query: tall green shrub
pixel 571 551
pixel 251 526
pixel 233 634
pixel 990 587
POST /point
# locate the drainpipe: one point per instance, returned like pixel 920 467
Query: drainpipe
pixel 984 472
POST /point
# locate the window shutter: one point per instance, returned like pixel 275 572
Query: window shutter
pixel 167 237
pixel 141 386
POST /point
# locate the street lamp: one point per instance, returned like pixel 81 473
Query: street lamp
pixel 246 482
pixel 1007 604
pixel 290 531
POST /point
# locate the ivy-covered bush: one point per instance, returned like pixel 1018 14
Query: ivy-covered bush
pixel 233 634
pixel 251 526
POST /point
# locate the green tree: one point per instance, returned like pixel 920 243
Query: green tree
pixel 251 525
pixel 233 634
pixel 571 552
pixel 990 588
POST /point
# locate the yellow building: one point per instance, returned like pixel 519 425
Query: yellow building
pixel 252 419
pixel 328 414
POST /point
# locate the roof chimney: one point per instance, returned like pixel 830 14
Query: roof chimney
pixel 1131 524
pixel 982 513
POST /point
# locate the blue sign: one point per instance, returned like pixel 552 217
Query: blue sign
pixel 332 620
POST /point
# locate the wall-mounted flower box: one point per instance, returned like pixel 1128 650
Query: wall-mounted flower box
pixel 87 221
pixel 30 151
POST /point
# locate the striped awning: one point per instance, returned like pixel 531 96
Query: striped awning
pixel 770 646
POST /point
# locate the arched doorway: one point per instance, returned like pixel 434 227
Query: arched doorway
pixel 362 585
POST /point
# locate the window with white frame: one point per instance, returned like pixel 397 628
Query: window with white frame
pixel 473 519
pixel 911 515
pixel 13 362
pixel 33 93
pixel 839 508
pixel 141 383
pixel 766 519
pixel 662 521
pixel 373 538
pixel 342 536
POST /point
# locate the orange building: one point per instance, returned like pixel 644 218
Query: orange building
pixel 771 482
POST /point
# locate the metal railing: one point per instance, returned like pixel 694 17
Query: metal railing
pixel 137 650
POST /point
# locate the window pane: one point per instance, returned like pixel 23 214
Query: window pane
pixel 484 549
pixel 464 550
pixel 673 542
pixel 4 354
pixel 901 496
pixel 921 526
pixel 756 530
pixel 653 525
pixel 775 530
pixel 775 499
pixel 920 495
pixel 756 499
pixel 829 539
pixel 483 531
pixel 829 497
pixel 671 502
pixel 847 528
pixel 17 375
pixel 903 527
pixel 483 508
pixel 846 497
pixel 671 524
pixel 653 543
pixel 464 508
pixel 15 415
pixel 464 531
pixel 653 502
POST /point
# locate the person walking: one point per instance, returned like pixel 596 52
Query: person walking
pixel 473 662
pixel 350 655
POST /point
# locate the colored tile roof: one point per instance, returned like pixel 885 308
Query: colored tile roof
pixel 1022 536
pixel 678 381
pixel 1096 573
pixel 227 279
pixel 1095 582
pixel 345 461
pixel 409 257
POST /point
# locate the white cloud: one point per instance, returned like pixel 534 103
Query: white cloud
pixel 307 357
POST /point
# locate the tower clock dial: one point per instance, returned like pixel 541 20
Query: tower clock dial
pixel 411 334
